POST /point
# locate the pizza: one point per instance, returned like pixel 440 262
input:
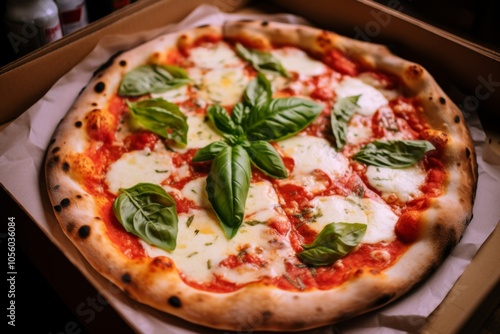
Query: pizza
pixel 262 176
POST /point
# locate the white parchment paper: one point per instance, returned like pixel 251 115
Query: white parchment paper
pixel 22 151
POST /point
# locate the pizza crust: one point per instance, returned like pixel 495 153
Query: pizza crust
pixel 256 307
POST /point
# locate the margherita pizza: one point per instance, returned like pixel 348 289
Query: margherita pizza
pixel 262 176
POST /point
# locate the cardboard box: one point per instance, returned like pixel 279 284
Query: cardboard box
pixel 434 49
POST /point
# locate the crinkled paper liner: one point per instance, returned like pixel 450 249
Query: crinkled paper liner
pixel 24 141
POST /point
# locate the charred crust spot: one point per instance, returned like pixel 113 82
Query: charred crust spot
pixel 267 315
pixel 53 161
pixel 442 100
pixel 97 218
pixel 58 208
pixel 93 104
pixel 123 63
pixel 65 166
pixel 456 119
pixel 384 299
pixel 467 152
pixel 174 301
pixel 126 278
pixel 79 196
pixel 65 202
pixel 52 141
pixel 203 26
pixel 56 187
pixel 56 149
pixel 99 87
pixel 264 23
pixel 319 309
pixel 70 227
pixel 78 124
pixel 84 231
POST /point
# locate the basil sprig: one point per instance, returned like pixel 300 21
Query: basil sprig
pixel 393 153
pixel 340 115
pixel 246 132
pixel 332 243
pixel 149 212
pixel 161 117
pixel 261 61
pixel 152 78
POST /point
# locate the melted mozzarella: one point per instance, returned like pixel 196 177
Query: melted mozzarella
pixel 225 85
pixel 403 183
pixel 202 245
pixel 298 61
pixel 139 166
pixel 359 130
pixel 378 216
pixel 310 154
pixel 175 95
pixel 217 56
pixel 200 132
pixel 370 100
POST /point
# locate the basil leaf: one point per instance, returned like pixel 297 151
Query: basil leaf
pixel 209 152
pixel 281 118
pixel 258 92
pixel 222 121
pixel 152 78
pixel 265 157
pixel 149 212
pixel 261 61
pixel 341 113
pixel 239 113
pixel 227 187
pixel 161 117
pixel 393 153
pixel 332 243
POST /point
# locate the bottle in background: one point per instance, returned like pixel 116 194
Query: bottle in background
pixel 72 14
pixel 31 24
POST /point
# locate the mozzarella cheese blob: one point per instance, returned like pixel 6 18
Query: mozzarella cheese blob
pixel 219 56
pixel 403 183
pixel 139 166
pixel 295 60
pixel 369 101
pixel 378 217
pixel 311 154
